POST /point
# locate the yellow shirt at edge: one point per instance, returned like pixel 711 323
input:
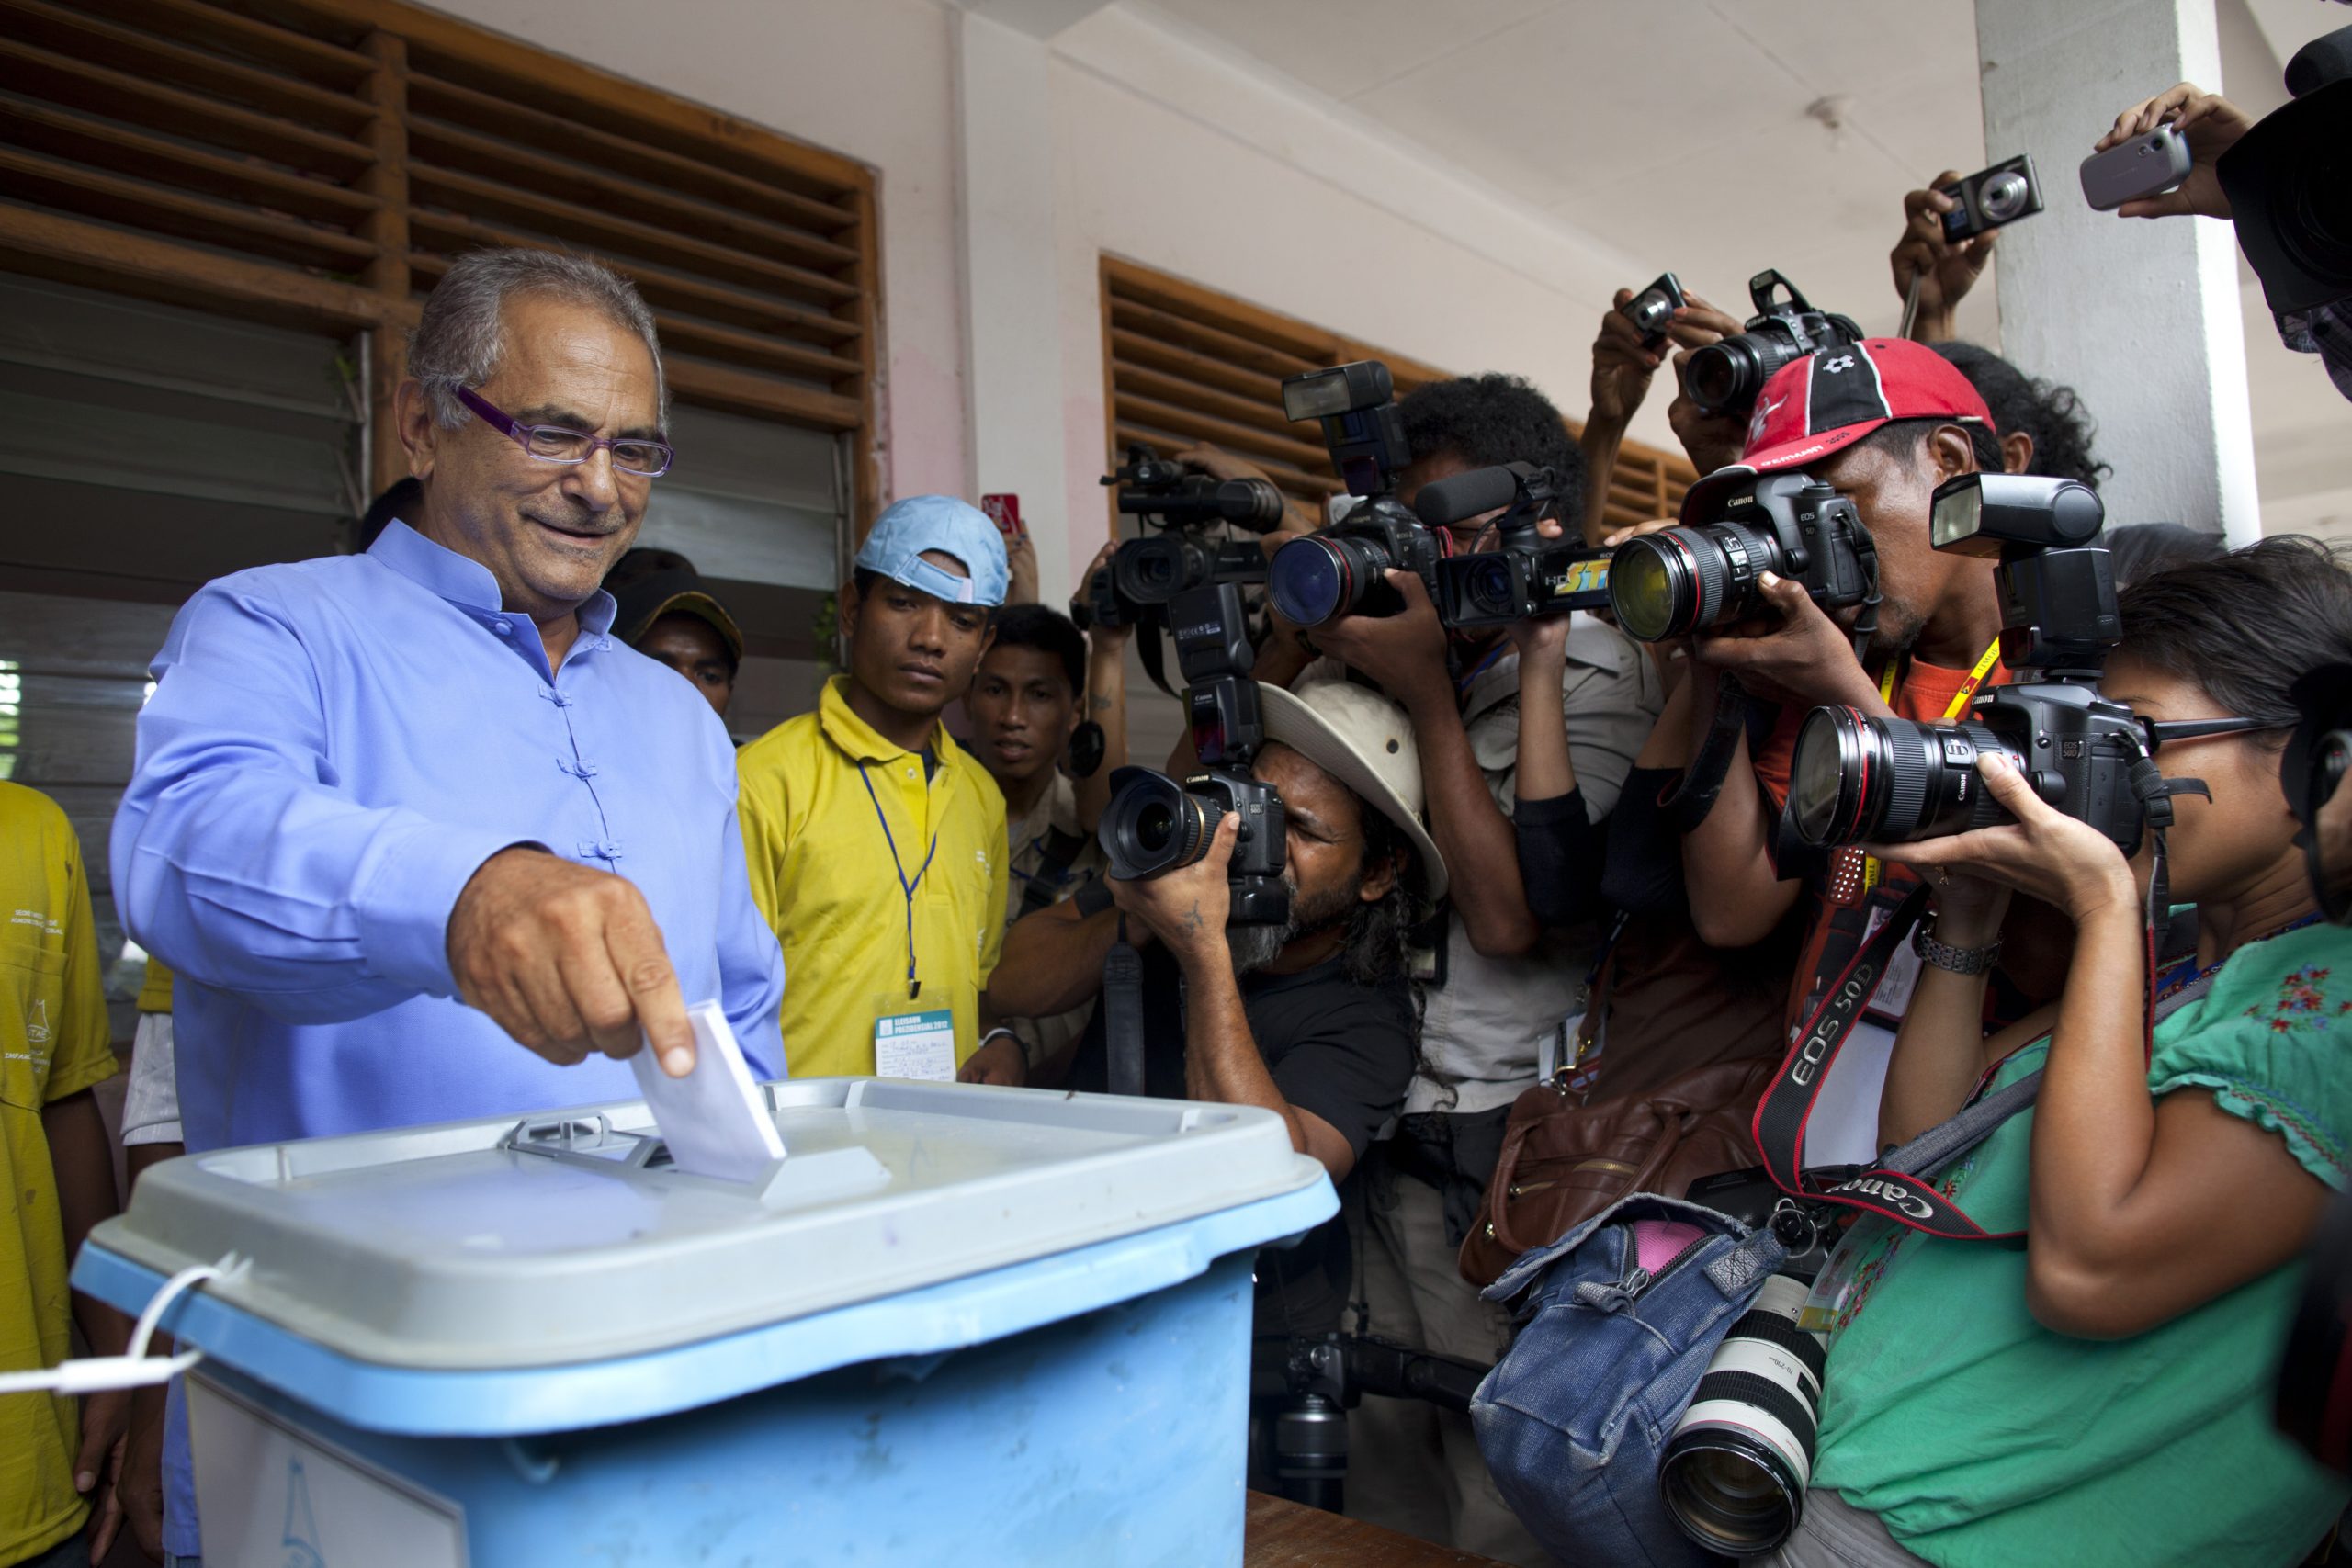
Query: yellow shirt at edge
pixel 54 1041
pixel 821 875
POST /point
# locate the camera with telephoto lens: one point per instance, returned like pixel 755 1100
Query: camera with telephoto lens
pixel 1990 197
pixel 1654 308
pixel 1725 377
pixel 1525 575
pixel 1339 570
pixel 1856 779
pixel 1145 573
pixel 1154 825
pixel 1735 1472
pixel 1686 578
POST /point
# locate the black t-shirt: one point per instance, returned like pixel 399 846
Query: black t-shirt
pixel 1341 1051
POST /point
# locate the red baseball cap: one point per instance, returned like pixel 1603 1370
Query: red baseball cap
pixel 1833 397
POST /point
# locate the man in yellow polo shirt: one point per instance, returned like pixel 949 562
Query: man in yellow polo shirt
pixel 876 843
pixel 54 1155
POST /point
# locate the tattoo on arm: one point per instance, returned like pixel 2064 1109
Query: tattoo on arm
pixel 1101 704
pixel 1192 921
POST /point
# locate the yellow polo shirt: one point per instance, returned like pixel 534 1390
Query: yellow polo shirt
pixel 54 1041
pixel 822 874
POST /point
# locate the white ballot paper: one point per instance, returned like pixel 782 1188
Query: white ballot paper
pixel 714 1119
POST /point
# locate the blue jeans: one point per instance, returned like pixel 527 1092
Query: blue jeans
pixel 1606 1357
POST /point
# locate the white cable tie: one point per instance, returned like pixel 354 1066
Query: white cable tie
pixel 134 1367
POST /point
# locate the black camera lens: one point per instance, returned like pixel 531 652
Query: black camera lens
pixel 1890 781
pixel 1152 826
pixel 1152 571
pixel 1324 576
pixel 1492 587
pixel 1651 312
pixel 2004 196
pixel 1680 581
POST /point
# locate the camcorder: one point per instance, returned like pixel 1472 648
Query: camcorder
pixel 1855 779
pixel 1339 570
pixel 1525 575
pixel 1154 825
pixel 1725 377
pixel 1145 573
pixel 1686 578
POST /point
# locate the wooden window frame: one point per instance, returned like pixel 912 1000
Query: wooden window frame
pixel 1232 350
pixel 359 281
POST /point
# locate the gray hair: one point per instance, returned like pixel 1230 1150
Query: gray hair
pixel 459 338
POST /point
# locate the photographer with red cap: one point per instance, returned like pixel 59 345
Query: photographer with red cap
pixel 1883 422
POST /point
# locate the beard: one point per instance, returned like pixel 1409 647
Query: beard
pixel 1254 947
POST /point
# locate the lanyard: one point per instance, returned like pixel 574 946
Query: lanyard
pixel 1462 687
pixel 1953 710
pixel 906 887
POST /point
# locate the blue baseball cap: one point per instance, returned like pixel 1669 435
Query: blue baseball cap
pixel 942 522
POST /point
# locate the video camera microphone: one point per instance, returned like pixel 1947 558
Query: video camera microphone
pixel 1444 502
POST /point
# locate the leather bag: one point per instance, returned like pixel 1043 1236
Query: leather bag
pixel 1564 1162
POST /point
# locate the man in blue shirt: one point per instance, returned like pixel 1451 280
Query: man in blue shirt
pixel 418 836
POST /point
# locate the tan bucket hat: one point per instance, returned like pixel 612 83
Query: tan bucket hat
pixel 1365 741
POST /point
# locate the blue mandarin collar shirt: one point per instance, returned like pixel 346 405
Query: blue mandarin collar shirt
pixel 333 747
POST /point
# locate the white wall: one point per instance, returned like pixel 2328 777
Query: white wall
pixel 1162 151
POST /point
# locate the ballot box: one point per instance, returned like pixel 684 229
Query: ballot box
pixel 955 1324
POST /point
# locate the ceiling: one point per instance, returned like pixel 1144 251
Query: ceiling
pixel 1713 137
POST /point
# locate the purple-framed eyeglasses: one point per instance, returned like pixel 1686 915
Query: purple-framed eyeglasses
pixel 559 444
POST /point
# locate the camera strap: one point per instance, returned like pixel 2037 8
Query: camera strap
pixel 1688 804
pixel 1123 1015
pixel 1147 654
pixel 1787 1104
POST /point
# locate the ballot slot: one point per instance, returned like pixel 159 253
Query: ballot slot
pixel 592 1140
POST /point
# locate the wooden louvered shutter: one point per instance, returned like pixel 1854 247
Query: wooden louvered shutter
pixel 1183 364
pixel 318 163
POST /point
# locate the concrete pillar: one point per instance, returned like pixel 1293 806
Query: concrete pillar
pixel 2141 318
pixel 1013 366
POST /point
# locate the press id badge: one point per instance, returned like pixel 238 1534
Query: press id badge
pixel 916 1046
pixel 1893 998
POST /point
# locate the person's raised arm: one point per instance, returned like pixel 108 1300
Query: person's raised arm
pixel 1405 654
pixel 1942 272
pixel 2212 126
pixel 1621 369
pixel 1186 910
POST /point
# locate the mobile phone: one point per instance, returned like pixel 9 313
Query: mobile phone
pixel 1004 509
pixel 2143 166
pixel 1653 308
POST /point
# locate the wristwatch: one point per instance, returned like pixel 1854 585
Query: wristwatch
pixel 1958 960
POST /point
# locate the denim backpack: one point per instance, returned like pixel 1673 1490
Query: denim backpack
pixel 1606 1356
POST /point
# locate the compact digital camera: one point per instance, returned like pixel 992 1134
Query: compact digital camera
pixel 1653 307
pixel 1339 570
pixel 1991 197
pixel 1723 378
pixel 1686 578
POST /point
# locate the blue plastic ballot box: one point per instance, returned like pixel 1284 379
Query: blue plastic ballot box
pixel 955 1324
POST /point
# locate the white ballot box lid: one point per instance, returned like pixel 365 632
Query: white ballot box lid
pixel 564 1237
